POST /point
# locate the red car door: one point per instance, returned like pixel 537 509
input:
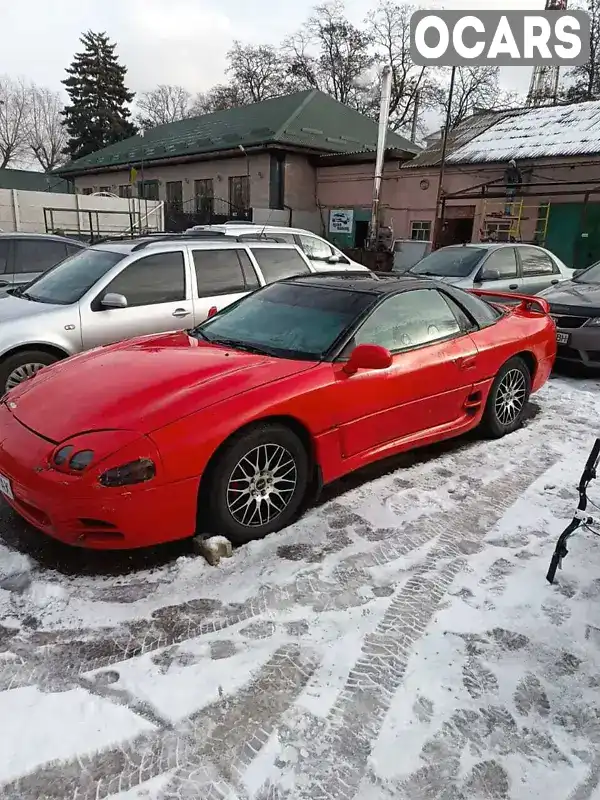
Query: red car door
pixel 430 379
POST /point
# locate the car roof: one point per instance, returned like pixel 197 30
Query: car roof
pixel 252 227
pixel 51 236
pixel 378 283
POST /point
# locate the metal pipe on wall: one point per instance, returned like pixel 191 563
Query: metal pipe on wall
pixel 384 115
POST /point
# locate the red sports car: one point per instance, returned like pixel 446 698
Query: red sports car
pixel 231 426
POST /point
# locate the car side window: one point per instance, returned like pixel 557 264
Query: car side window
pixel 277 263
pixel 223 272
pixel 159 278
pixel 503 261
pixel 315 248
pixel 410 319
pixel 536 262
pixel 4 246
pixel 38 255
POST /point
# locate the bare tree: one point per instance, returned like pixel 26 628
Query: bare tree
pixel 333 55
pixel 46 135
pixel 15 99
pixel 219 98
pixel 162 105
pixel 258 72
pixel 583 82
pixel 389 28
pixel 475 89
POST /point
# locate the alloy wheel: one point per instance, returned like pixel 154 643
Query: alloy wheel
pixel 261 485
pixel 510 397
pixel 22 373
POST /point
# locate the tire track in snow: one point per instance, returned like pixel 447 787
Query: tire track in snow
pixel 337 759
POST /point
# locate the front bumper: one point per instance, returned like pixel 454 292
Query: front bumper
pixel 582 347
pixel 88 515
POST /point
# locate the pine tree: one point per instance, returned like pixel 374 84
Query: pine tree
pixel 98 114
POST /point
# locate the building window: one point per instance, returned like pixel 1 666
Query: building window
pixel 148 190
pixel 204 193
pixel 88 190
pixel 420 231
pixel 125 190
pixel 175 194
pixel 106 189
pixel 239 193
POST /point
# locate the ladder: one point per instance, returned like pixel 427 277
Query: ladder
pixel 504 217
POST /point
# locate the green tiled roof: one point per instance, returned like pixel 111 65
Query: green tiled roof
pixel 308 119
pixel 27 180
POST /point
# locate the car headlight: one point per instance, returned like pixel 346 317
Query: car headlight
pixel 139 471
pixel 94 453
pixel 593 322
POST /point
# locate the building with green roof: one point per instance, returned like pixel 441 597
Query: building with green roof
pixel 253 162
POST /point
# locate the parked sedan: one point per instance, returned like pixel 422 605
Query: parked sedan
pixel 234 425
pixel 575 307
pixel 523 268
pixel 25 256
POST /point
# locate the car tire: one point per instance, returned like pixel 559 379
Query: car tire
pixel 23 362
pixel 507 401
pixel 237 493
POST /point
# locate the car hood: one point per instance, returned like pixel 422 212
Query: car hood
pixel 140 385
pixel 12 307
pixel 573 293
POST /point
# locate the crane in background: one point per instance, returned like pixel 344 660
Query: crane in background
pixel 543 89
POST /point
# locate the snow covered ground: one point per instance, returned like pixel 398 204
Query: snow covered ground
pixel 400 641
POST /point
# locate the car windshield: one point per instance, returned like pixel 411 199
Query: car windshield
pixel 450 262
pixel 289 320
pixel 71 279
pixel 591 275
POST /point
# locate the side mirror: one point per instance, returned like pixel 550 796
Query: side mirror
pixel 114 300
pixel 487 275
pixel 578 272
pixel 368 356
pixel 334 259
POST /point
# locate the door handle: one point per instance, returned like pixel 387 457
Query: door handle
pixel 4 283
pixel 554 282
pixel 181 312
pixel 514 286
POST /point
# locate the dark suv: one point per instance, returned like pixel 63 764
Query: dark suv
pixel 24 256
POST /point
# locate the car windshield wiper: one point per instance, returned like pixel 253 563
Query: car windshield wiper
pixel 239 345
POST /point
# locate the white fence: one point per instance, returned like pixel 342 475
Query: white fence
pixel 77 214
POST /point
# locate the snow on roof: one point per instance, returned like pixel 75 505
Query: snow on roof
pixel 535 133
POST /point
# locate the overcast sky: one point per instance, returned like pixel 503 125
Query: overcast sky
pixel 171 41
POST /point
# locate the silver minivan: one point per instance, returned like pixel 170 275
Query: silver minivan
pixel 510 267
pixel 119 290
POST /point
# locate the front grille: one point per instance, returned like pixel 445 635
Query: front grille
pixel 568 321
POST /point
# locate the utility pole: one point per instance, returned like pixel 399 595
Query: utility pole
pixel 438 203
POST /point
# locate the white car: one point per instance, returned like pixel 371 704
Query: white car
pixel 322 254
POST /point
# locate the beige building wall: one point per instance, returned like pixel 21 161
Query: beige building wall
pixel 257 166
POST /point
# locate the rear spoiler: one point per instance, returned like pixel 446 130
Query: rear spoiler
pixel 537 305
